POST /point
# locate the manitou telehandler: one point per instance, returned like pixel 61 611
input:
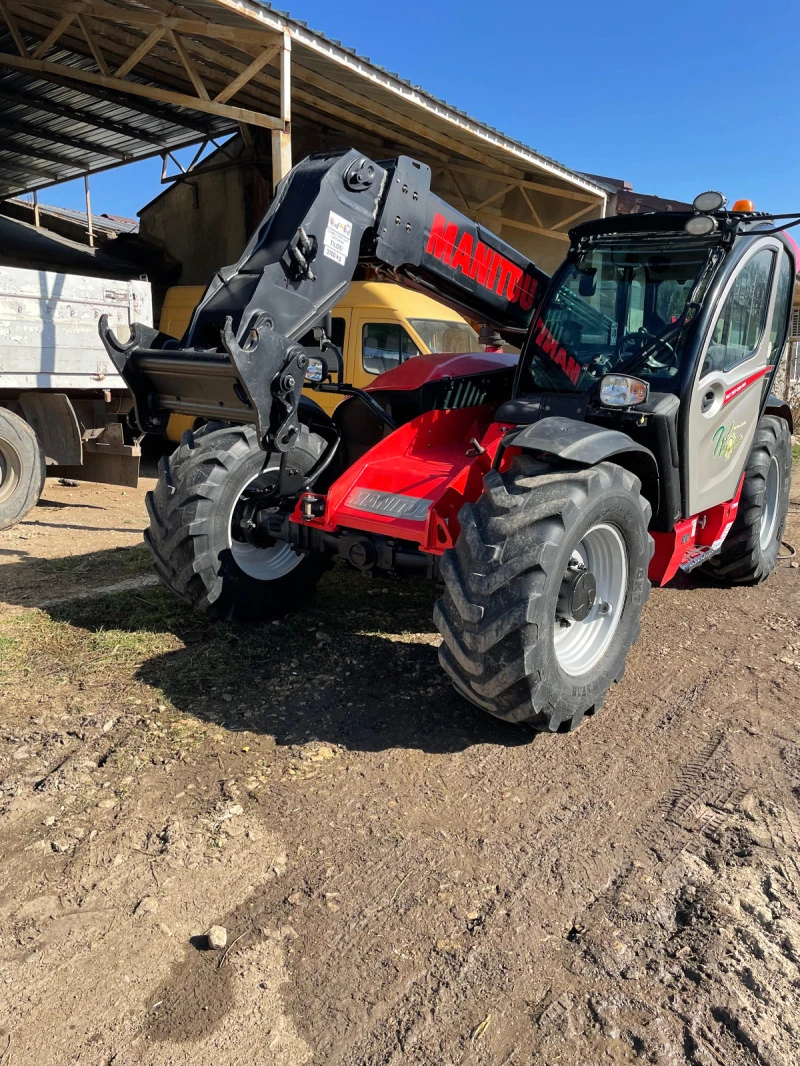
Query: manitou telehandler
pixel 634 436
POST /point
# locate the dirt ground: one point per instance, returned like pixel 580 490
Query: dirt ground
pixel 402 880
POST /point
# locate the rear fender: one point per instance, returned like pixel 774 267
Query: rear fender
pixel 780 409
pixel 584 444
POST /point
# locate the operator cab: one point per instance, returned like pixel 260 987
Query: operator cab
pixel 669 306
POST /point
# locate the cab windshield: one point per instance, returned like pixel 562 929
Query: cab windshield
pixel 621 305
pixel 445 335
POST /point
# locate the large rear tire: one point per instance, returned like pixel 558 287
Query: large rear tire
pixel 750 551
pixel 513 640
pixel 22 468
pixel 196 548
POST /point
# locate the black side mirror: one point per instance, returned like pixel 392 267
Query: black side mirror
pixel 587 286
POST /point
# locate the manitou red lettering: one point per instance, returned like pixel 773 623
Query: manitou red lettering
pixel 497 262
pixel 489 268
pixel 442 239
pixel 558 354
pixel 481 263
pixel 462 260
pixel 514 283
pixel 529 286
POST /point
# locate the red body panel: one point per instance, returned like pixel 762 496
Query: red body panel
pixel 416 372
pixel 692 538
pixel 432 459
pixel 429 458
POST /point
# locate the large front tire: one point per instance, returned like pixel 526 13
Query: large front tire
pixel 750 551
pixel 22 468
pixel 193 536
pixel 507 642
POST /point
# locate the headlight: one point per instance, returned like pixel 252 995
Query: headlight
pixel 315 370
pixel 621 390
pixel 708 202
pixel 700 225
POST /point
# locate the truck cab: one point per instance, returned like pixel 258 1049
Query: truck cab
pixel 377 325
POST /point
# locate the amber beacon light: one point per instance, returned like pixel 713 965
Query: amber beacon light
pixel 743 205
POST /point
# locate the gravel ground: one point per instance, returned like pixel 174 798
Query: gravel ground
pixel 400 879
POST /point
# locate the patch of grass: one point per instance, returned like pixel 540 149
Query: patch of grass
pixel 132 560
pixel 796 451
pixel 353 646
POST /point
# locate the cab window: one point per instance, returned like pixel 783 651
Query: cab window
pixel 780 315
pixel 385 345
pixel 740 325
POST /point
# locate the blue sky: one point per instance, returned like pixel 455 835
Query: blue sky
pixel 675 97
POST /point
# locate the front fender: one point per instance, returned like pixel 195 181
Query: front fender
pixel 585 444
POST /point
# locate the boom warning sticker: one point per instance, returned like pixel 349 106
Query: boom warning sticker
pixel 337 238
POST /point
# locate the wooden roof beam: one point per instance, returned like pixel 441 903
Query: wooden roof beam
pixel 151 19
pixel 249 72
pixel 13 29
pixel 51 38
pixel 534 186
pixel 159 64
pixel 148 92
pixel 152 38
pixel 94 47
pixel 190 68
pixel 541 230
pixel 562 223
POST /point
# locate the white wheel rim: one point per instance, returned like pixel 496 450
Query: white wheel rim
pixel 769 518
pixel 580 645
pixel 10 469
pixel 262 564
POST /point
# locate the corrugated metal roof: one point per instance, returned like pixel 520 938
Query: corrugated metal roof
pixel 109 223
pixel 53 128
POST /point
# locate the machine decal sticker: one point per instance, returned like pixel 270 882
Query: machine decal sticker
pixel 337 238
pixel 483 264
pixel 740 386
pixel 727 439
pixel 390 504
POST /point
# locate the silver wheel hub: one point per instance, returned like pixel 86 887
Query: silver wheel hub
pixel 263 563
pixel 769 515
pixel 591 599
pixel 10 469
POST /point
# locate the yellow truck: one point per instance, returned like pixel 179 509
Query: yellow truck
pixel 377 325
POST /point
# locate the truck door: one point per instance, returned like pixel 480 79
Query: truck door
pixel 726 397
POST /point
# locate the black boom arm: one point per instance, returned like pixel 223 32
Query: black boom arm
pixel 239 360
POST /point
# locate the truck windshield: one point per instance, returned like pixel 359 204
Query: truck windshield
pixel 619 305
pixel 442 335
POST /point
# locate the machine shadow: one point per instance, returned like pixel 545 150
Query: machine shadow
pixel 34 581
pixel 350 669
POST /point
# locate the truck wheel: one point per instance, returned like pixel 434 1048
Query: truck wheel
pixel 750 551
pixel 544 591
pixel 22 468
pixel 198 551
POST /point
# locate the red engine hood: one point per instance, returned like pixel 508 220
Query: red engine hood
pixel 424 368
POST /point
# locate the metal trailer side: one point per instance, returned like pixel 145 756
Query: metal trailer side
pixel 56 376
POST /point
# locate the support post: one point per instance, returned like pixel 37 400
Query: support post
pixel 282 138
pixel 89 210
pixel 36 220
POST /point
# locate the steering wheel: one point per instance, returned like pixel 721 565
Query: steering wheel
pixel 640 339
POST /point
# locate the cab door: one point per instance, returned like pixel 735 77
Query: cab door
pixel 726 396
